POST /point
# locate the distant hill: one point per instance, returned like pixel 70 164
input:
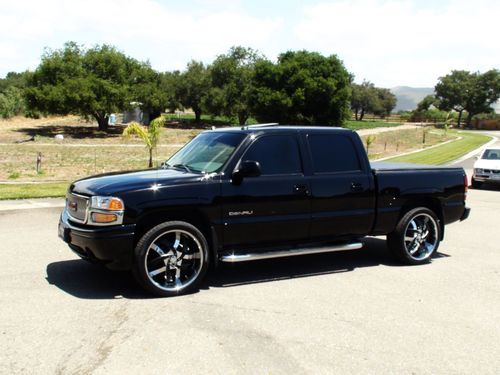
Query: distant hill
pixel 409 97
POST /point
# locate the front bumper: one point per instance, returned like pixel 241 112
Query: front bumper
pixel 487 178
pixel 112 246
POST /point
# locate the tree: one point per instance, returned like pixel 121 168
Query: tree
pixel 150 135
pixel 426 103
pixel 91 83
pixel 151 89
pixel 11 102
pixel 193 86
pixel 303 88
pixel 364 99
pixel 231 81
pixel 452 91
pixel 471 92
pixel 386 101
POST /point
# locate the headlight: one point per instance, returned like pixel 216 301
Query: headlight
pixel 106 210
pixel 478 170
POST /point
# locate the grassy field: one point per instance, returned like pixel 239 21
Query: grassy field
pixel 446 153
pixel 358 125
pixel 43 190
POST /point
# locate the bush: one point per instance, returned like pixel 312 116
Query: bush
pixel 11 102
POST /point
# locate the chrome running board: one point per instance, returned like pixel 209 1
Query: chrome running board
pixel 234 258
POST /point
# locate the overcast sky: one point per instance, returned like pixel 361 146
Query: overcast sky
pixel 390 43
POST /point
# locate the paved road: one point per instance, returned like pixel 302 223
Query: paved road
pixel 354 312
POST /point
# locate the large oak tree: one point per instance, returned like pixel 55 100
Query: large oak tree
pixel 91 82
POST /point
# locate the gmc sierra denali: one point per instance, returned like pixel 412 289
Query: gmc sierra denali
pixel 257 192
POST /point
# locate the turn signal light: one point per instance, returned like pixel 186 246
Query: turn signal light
pixel 103 218
pixel 116 204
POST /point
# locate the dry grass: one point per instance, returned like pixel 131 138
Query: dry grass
pixel 85 150
pixel 400 141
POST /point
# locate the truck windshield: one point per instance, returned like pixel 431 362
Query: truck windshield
pixel 206 153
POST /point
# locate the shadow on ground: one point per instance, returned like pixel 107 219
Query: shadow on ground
pixel 72 131
pixel 84 280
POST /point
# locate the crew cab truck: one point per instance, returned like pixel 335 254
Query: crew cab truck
pixel 257 192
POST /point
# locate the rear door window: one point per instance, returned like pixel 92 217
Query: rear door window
pixel 332 153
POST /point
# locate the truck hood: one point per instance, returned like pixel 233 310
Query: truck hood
pixel 487 164
pixel 121 182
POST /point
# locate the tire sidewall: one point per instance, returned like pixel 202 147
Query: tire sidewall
pixel 139 267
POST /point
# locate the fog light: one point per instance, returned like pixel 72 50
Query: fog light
pixel 98 217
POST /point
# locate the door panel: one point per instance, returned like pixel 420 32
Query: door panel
pixel 265 210
pixel 341 204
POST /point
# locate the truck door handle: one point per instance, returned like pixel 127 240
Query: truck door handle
pixel 356 187
pixel 301 189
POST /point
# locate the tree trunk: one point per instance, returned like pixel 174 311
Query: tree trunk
pixel 102 121
pixel 242 118
pixel 150 158
pixel 362 114
pixel 356 114
pixel 469 119
pixel 197 115
pixel 459 118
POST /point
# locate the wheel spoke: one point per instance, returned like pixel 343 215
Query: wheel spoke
pixel 158 271
pixel 191 256
pixel 157 249
pixel 177 240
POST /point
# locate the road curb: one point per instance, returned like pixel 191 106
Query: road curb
pixel 26 204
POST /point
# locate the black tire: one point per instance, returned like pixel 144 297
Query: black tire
pixel 476 184
pixel 171 259
pixel 416 237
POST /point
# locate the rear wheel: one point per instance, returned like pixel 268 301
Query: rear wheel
pixel 171 259
pixel 416 237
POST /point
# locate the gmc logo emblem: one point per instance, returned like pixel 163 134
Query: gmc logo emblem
pixel 72 206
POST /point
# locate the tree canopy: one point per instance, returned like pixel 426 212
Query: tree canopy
pixel 232 82
pixel 303 88
pixel 471 92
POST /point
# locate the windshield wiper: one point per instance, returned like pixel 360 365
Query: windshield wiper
pixel 182 166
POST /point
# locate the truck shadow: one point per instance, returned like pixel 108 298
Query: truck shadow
pixel 83 280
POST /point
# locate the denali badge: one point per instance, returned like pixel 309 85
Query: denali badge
pixel 240 213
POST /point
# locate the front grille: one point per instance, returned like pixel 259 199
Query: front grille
pixel 76 205
pixel 492 171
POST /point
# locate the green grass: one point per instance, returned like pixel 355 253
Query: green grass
pixel 207 119
pixel 42 190
pixel 448 152
pixel 357 125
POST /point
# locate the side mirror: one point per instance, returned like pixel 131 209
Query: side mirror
pixel 247 168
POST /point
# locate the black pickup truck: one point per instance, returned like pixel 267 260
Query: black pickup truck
pixel 257 192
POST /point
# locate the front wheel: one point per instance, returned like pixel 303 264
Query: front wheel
pixel 416 237
pixel 171 259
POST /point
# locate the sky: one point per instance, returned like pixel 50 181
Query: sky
pixel 390 43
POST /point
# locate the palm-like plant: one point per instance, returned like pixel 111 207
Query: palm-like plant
pixel 150 135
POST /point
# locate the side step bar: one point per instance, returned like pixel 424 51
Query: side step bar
pixel 234 258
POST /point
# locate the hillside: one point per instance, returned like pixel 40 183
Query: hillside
pixel 409 97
